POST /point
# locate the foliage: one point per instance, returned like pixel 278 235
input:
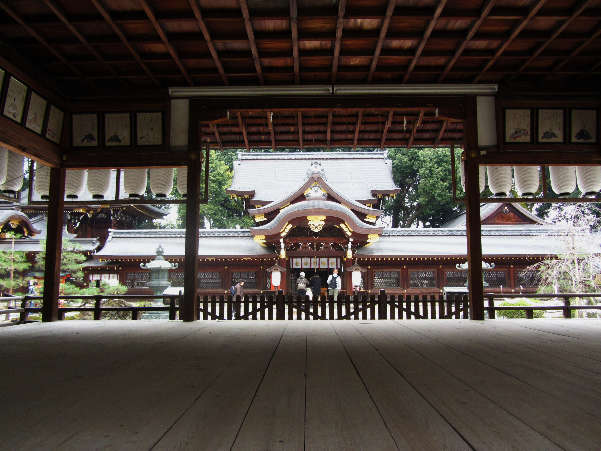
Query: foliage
pixel 14 262
pixel 424 177
pixel 72 260
pixel 512 314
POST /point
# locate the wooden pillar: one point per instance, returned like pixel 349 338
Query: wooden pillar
pixel 54 244
pixel 473 227
pixel 189 307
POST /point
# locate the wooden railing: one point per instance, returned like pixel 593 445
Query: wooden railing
pixel 566 307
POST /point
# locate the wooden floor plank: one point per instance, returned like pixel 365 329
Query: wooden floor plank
pixel 340 414
pixel 414 423
pixel 564 424
pixel 276 417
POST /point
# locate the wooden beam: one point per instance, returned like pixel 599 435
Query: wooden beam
pixel 51 48
pixel 251 40
pixel 300 128
pixel 217 136
pixel 329 129
pixel 426 36
pixel 159 30
pixel 577 12
pixel 386 128
pixel 54 244
pixel 486 9
pixel 514 33
pixel 357 129
pixel 443 128
pixel 210 45
pixel 21 140
pixel 473 226
pixel 137 157
pixel 104 13
pixel 270 126
pixel 534 157
pixel 189 307
pixel 416 125
pixel 578 49
pixel 294 31
pixel 382 36
pixel 242 128
pixel 338 39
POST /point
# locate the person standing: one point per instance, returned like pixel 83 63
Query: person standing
pixel 301 284
pixel 315 282
pixel 238 291
pixel 334 284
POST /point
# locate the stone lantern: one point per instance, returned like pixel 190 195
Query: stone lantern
pixel 159 274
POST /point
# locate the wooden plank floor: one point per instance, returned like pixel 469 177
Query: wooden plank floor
pixel 346 385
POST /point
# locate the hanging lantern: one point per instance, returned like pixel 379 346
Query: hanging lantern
pixel 14 173
pixel 41 181
pixel 3 163
pixel 99 181
pixel 499 180
pixel 182 181
pixel 481 176
pixel 134 181
pixel 588 179
pixel 356 277
pixel 526 179
pixel 563 179
pixel 161 181
pixel 276 275
pixel 74 182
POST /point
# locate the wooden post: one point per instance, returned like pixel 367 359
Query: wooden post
pixel 189 307
pixel 567 312
pixel 473 227
pixel 172 308
pixel 97 305
pixel 54 244
pixel 382 310
pixel 491 307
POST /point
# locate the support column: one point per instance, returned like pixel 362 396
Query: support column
pixel 189 307
pixel 473 227
pixel 54 244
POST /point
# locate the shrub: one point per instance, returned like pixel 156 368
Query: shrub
pixel 517 313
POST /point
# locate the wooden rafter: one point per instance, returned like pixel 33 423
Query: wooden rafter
pixel 486 9
pixel 159 30
pixel 104 13
pixel 299 118
pixel 329 128
pixel 210 45
pixel 242 127
pixel 514 33
pixel 443 128
pixel 52 49
pixel 217 136
pixel 416 125
pixel 425 37
pixel 338 40
pixel 357 129
pixel 294 31
pixel 577 50
pixel 577 12
pixel 382 36
pixel 386 128
pixel 251 40
pixel 270 125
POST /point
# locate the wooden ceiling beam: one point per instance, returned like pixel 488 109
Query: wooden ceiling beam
pixel 159 30
pixel 104 13
pixel 300 128
pixel 484 13
pixel 357 129
pixel 426 36
pixel 270 126
pixel 577 50
pixel 52 49
pixel 242 128
pixel 329 129
pixel 338 39
pixel 584 4
pixel 386 128
pixel 514 33
pixel 383 30
pixel 209 41
pixel 251 40
pixel 443 128
pixel 294 31
pixel 217 136
pixel 416 125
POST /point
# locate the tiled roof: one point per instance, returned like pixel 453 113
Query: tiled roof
pixel 273 176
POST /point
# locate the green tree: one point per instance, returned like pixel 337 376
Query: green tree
pixel 426 196
pixel 12 265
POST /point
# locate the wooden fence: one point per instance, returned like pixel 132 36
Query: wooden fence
pixel 566 307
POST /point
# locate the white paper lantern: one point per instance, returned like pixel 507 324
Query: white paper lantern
pixel 526 179
pixel 134 181
pixel 74 182
pixel 41 181
pixel 356 279
pixel 3 163
pixel 276 278
pixel 499 180
pixel 161 181
pixel 99 181
pixel 14 173
pixel 588 179
pixel 481 176
pixel 182 181
pixel 563 179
